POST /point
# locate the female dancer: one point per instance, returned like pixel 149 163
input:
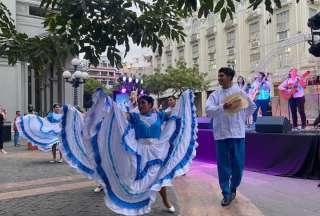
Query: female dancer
pixel 42 132
pixel 241 83
pixel 133 155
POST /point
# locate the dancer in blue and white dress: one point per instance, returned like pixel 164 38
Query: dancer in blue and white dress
pixel 42 132
pixel 133 155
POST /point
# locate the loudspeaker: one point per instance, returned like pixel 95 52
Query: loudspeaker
pixel 273 124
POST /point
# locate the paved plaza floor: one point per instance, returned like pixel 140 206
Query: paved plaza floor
pixel 30 185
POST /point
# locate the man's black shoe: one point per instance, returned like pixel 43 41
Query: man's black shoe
pixel 226 201
pixel 233 195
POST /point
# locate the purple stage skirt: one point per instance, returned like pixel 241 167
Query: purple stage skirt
pixel 276 154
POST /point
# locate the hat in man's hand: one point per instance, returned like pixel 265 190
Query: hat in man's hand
pixel 238 102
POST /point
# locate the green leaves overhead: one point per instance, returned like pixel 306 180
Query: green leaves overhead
pixel 6 22
pixel 99 26
pixel 218 6
pixel 95 27
pixel 225 7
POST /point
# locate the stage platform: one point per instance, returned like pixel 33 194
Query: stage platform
pixel 295 154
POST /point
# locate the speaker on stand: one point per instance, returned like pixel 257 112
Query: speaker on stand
pixel 273 124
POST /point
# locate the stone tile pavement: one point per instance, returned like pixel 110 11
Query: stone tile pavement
pixel 30 185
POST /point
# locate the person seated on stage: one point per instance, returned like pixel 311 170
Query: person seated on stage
pixel 296 102
pixel 261 94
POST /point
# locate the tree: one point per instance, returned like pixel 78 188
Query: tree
pixel 177 80
pixel 92 84
pixel 155 83
pixel 99 26
pixel 182 78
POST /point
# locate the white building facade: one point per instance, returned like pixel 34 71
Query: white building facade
pixel 19 87
pixel 246 43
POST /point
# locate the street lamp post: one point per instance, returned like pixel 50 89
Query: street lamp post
pixel 76 78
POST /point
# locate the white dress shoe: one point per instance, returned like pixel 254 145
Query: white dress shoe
pixel 171 209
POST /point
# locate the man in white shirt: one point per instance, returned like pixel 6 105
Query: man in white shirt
pixel 229 133
pixel 297 101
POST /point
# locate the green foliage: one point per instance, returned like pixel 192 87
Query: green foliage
pixel 225 7
pixel 92 84
pixel 177 79
pixel 155 83
pixel 99 26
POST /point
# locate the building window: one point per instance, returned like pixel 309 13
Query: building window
pixel 195 53
pixel 255 57
pixel 231 38
pixel 181 53
pixel 282 35
pixel 254 60
pixel 195 26
pixel 158 59
pixel 104 64
pixel 211 45
pixel 283 25
pixel 211 51
pixel 284 58
pixel 36 11
pixel 254 31
pixel 169 59
pixel 211 20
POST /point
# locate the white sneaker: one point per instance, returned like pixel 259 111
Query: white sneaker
pixel 98 189
pixel 3 151
pixel 60 161
pixel 171 209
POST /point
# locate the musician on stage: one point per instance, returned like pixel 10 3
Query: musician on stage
pixel 295 84
pixel 261 94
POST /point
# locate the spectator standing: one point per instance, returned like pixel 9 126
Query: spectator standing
pixel 16 136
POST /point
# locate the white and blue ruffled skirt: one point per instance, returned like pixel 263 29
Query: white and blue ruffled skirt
pixel 39 131
pixel 103 146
